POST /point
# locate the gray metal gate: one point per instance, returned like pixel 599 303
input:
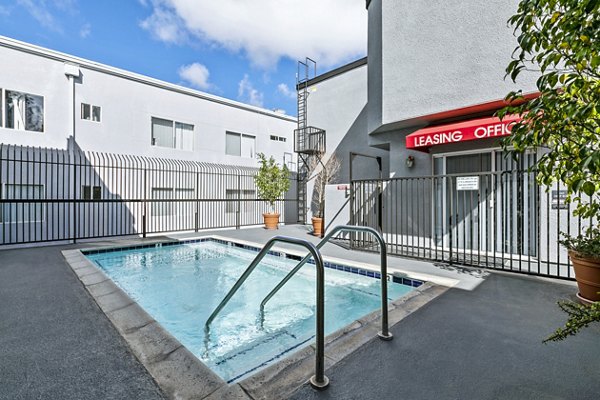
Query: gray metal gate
pixel 499 220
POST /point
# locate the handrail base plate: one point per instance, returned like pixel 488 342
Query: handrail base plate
pixel 319 385
pixel 387 337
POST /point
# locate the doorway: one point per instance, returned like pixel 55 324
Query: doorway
pixel 485 202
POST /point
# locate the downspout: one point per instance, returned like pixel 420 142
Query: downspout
pixel 72 72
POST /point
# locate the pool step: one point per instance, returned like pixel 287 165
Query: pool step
pixel 275 345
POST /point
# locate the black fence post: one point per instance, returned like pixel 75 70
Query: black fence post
pixel 197 202
pixel 239 194
pixel 145 206
pixel 74 196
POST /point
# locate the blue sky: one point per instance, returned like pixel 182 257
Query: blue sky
pixel 238 49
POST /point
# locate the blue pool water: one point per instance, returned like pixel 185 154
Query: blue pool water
pixel 180 286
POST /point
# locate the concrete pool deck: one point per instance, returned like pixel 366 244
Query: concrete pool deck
pixel 481 339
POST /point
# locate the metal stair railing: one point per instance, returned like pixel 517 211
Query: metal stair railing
pixel 319 380
pixel 384 334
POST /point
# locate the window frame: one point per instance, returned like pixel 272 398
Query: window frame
pixel 241 195
pixel 91 108
pixel 3 110
pixel 171 204
pixel 162 212
pixel 93 190
pixel 174 133
pixel 99 114
pixel 241 136
pixel 276 138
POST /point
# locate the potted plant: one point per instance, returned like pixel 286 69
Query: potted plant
pixel 272 182
pixel 323 174
pixel 556 39
pixel 584 252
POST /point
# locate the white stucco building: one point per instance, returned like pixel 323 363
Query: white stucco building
pixel 48 97
pixel 88 150
pixel 424 100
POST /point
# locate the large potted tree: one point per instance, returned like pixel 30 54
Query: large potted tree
pixel 559 38
pixel 323 174
pixel 272 181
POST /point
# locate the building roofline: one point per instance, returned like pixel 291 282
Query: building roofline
pixel 333 73
pixel 368 4
pixel 132 76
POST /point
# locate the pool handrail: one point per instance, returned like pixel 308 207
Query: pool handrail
pixel 384 334
pixel 319 380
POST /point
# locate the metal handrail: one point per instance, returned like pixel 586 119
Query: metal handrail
pixel 319 380
pixel 384 334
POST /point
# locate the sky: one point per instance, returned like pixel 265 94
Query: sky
pixel 244 50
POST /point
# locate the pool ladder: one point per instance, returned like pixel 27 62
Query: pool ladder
pixel 319 380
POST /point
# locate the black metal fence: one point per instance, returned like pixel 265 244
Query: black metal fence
pixel 501 220
pixel 51 195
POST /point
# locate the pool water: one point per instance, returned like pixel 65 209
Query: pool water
pixel 180 286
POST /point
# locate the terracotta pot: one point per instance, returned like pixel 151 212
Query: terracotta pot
pixel 317 224
pixel 587 274
pixel 271 220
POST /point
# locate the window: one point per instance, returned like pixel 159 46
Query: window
pixel 90 112
pixel 24 111
pixel 278 138
pixel 175 135
pixel 96 113
pixel 184 136
pixel 244 194
pixel 288 160
pixel 162 208
pixel 233 144
pixel 92 192
pixel 162 133
pixel 20 211
pixel 168 207
pixel 238 144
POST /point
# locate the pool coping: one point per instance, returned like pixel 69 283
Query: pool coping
pixel 181 375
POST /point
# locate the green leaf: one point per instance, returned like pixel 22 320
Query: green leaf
pixel 560 38
pixel 588 188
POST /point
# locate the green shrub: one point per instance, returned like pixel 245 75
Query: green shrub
pixel 271 180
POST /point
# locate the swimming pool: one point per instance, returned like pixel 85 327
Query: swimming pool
pixel 179 285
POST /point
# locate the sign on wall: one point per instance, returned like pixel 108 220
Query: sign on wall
pixel 467 183
pixel 559 200
pixel 483 128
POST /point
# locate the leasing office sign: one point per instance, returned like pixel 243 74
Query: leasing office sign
pixel 484 128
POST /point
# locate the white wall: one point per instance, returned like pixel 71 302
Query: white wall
pixel 428 57
pixel 339 105
pixel 128 106
pixel 128 102
pixel 24 72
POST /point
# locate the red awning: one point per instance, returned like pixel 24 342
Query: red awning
pixel 483 128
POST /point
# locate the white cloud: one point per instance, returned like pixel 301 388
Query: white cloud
pixel 286 91
pixel 66 5
pixel 165 25
pixel 196 75
pixel 247 93
pixel 85 31
pixel 329 31
pixel 41 14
